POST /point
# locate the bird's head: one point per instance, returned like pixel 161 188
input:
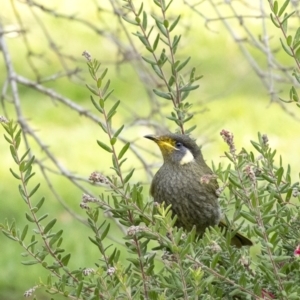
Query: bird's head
pixel 176 148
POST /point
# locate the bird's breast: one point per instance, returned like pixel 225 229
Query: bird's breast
pixel 193 202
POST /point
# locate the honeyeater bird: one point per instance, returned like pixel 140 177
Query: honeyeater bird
pixel 186 182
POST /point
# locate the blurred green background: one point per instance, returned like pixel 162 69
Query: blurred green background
pixel 231 97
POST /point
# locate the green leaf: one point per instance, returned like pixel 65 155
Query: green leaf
pixel 274 21
pixel 188 131
pixel 103 74
pixel 113 140
pixel 14 154
pixel 283 7
pixel 29 218
pixel 31 245
pixel 18 139
pixel 279 174
pixel 30 262
pixel 116 134
pixel 99 82
pixel 24 155
pixel 158 71
pixel 128 176
pixel 173 25
pixel 296 39
pixel 65 260
pixel 49 225
pixel 234 182
pixel 123 150
pixel 175 43
pixel 140 9
pixel 144 22
pixel 275 7
pixel 55 238
pixel 96 105
pixel 104 146
pixel 182 65
pixel 101 102
pixel 189 88
pixel 162 94
pixel 284 23
pixel 79 289
pixel 14 174
pixel 28 175
pixel 105 89
pixel 34 190
pixel 103 126
pixel 149 61
pixel 10 236
pixel 248 216
pixel 105 232
pixel 256 146
pixel 8 139
pixel 156 42
pixel 92 90
pixel 142 39
pixel 289 40
pixel 113 110
pixel 171 80
pixel 43 217
pixel 129 20
pixel 24 232
pixel 161 28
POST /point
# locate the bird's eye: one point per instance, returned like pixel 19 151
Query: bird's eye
pixel 178 145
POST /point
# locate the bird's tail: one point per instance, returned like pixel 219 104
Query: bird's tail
pixel 238 239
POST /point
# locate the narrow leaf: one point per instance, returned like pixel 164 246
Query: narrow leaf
pixel 65 260
pixel 144 22
pixel 24 232
pixel 34 190
pixel 149 61
pixel 123 150
pixel 25 154
pixel 103 127
pixel 283 7
pixel 43 217
pixel 128 176
pixel 49 225
pixel 14 174
pixel 286 49
pixel 116 134
pixel 104 146
pixel 113 109
pixel 55 238
pixel 130 20
pixel 156 42
pixel 173 25
pixel 189 88
pixel 30 262
pixel 105 232
pixel 162 94
pixel 29 218
pixel 182 65
pixel 92 90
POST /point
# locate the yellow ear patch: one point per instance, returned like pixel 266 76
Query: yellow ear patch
pixel 166 145
pixel 188 157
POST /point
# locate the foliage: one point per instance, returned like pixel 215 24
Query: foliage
pixel 290 44
pixel 261 196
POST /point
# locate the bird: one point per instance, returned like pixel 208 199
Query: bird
pixel 185 182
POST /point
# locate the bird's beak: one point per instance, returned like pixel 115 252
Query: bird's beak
pixel 152 137
pixel 163 143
